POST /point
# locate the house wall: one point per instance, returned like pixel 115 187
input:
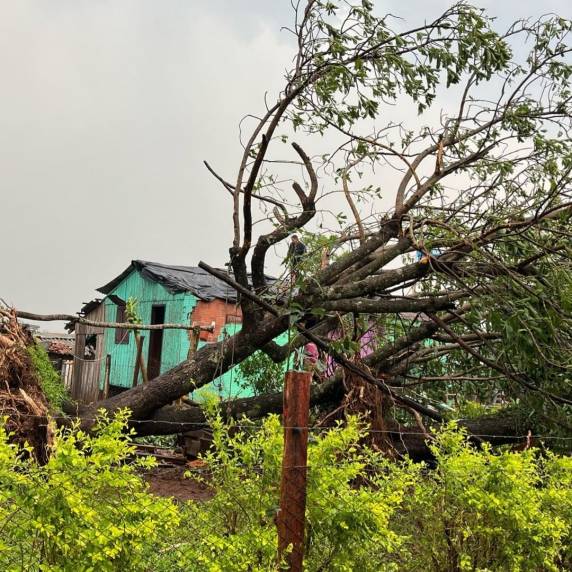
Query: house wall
pixel 175 342
pixel 85 381
pixel 217 311
pixel 178 307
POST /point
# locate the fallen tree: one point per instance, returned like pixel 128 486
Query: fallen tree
pixel 501 428
pixel 474 246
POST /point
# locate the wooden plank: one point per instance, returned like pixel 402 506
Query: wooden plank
pixel 86 372
pixel 291 515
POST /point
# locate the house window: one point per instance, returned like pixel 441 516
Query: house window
pixel 121 335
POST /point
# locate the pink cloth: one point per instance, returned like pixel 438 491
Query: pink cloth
pixel 311 352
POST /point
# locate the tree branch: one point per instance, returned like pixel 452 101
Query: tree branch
pixel 119 325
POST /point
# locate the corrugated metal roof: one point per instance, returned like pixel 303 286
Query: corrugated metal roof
pixel 88 307
pixel 179 279
pixel 412 316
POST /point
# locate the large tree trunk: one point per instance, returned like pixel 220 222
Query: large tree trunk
pixel 182 417
pixel 207 364
pixel 498 429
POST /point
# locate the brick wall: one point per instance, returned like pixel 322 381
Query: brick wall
pixel 217 311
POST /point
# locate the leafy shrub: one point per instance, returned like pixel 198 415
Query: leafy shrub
pixel 85 510
pixel 476 511
pixel 348 525
pixel 50 380
pixel 480 510
pixel 88 509
pixel 260 374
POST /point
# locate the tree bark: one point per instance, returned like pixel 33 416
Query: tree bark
pixel 208 363
pixel 180 418
pixel 96 324
pixel 498 429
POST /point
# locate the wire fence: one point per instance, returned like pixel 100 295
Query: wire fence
pixel 49 523
pixel 177 426
pixel 86 519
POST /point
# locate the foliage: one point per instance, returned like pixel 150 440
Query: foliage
pixel 348 525
pixel 317 244
pixel 132 311
pixel 86 509
pixel 162 441
pixel 476 511
pixel 481 510
pixel 468 409
pixel 260 374
pixel 207 398
pixel 361 62
pixel 50 380
pixel 478 181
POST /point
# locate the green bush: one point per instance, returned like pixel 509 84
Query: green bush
pixel 88 509
pixel 348 525
pixel 476 511
pixel 259 374
pixel 50 380
pixel 85 510
pixel 480 510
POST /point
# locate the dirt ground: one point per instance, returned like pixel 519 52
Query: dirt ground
pixel 171 482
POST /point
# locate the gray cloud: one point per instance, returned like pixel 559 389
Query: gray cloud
pixel 107 110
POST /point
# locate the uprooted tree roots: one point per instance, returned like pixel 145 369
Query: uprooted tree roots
pixel 361 398
pixel 22 402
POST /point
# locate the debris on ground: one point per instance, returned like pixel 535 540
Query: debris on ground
pixel 22 401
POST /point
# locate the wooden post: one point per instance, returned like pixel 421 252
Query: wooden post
pixel 139 341
pixel 194 337
pixel 291 516
pixel 138 359
pixel 107 374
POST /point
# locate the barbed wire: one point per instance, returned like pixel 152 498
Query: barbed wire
pixel 309 428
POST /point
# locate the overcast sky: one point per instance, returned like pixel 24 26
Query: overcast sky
pixel 107 110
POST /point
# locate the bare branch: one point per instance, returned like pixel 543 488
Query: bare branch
pixel 119 325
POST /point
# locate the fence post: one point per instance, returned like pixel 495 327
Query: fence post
pixel 139 340
pixel 291 515
pixel 107 375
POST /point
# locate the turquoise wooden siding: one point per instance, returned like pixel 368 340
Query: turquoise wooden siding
pixel 228 385
pixel 175 342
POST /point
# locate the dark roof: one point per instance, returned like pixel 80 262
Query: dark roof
pixel 90 306
pixel 179 279
pixel 86 309
pixel 412 316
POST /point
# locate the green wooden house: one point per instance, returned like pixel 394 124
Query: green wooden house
pixel 164 294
